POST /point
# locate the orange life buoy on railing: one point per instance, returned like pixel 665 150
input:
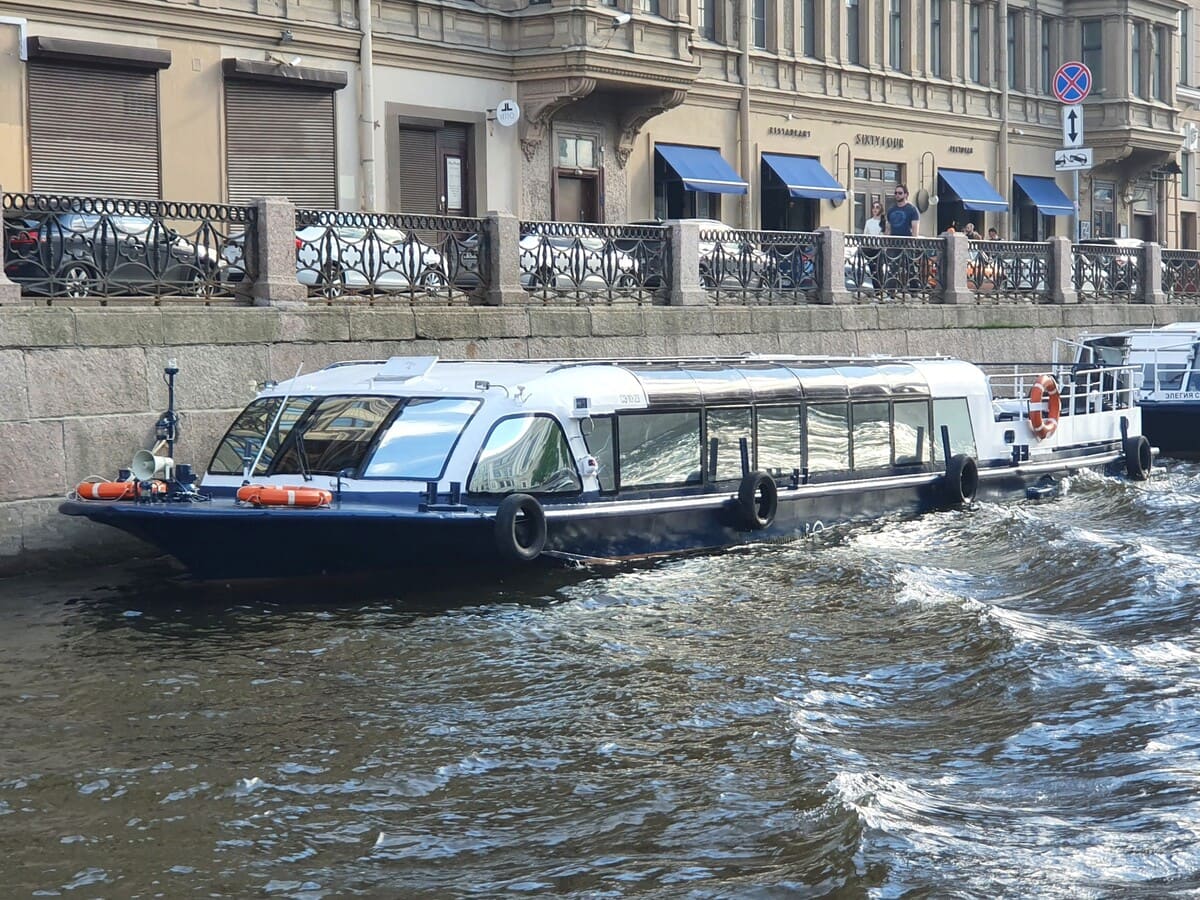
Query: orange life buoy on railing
pixel 265 495
pixel 106 490
pixel 1044 424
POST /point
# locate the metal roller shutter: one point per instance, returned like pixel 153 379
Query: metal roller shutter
pixel 94 131
pixel 280 142
pixel 418 171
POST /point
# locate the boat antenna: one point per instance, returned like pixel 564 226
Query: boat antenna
pixel 266 437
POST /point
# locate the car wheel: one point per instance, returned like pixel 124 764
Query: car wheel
pixel 78 280
pixel 432 280
pixel 706 279
pixel 332 281
pixel 202 285
pixel 627 280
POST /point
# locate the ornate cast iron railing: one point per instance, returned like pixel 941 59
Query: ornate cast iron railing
pixel 880 268
pixel 103 247
pixel 587 263
pixel 761 267
pixel 1107 271
pixel 439 259
pixel 1181 274
pixel 999 271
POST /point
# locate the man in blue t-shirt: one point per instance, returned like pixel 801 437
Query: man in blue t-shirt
pixel 903 218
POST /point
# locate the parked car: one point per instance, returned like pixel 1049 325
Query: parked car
pixel 580 260
pixel 335 258
pixel 1116 268
pixel 75 254
pixel 731 264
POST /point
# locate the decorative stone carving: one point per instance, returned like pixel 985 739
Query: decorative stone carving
pixel 540 101
pixel 636 116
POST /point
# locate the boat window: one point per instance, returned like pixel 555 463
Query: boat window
pixel 245 435
pixel 727 427
pixel 418 442
pixel 1169 376
pixel 872 435
pixel 828 437
pixel 335 435
pixel 779 439
pixel 910 430
pixel 599 443
pixel 659 448
pixel 525 453
pixel 955 415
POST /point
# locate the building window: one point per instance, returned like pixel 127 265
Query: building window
pixel 808 10
pixel 1014 31
pixel 1093 51
pixel 1135 60
pixel 935 38
pixel 760 24
pixel 1187 163
pixel 896 36
pixel 706 14
pixel 648 6
pixel 1156 63
pixel 1048 67
pixel 852 36
pixel 1103 208
pixel 973 62
pixel 1185 47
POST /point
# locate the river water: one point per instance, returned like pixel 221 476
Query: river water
pixel 1000 702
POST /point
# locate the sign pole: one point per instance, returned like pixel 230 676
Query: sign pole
pixel 1075 212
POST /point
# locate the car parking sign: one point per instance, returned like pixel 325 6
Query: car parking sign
pixel 1072 82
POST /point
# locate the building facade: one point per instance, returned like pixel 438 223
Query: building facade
pixel 775 114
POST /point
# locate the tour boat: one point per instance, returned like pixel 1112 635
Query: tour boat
pixel 1168 377
pixel 412 463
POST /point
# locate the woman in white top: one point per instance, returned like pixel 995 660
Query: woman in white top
pixel 873 226
pixel 875 221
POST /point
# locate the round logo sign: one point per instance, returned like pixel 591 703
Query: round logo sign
pixel 508 112
pixel 1072 82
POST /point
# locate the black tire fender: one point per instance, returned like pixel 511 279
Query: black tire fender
pixel 757 501
pixel 520 529
pixel 961 481
pixel 1138 458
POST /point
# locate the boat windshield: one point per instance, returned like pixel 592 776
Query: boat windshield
pixel 334 437
pixel 241 443
pixel 419 440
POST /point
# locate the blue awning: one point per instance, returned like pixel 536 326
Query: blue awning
pixel 973 190
pixel 805 177
pixel 1045 194
pixel 702 169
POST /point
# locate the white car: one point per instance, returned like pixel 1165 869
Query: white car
pixel 334 258
pixel 579 260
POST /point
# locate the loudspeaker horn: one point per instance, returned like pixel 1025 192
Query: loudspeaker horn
pixel 146 466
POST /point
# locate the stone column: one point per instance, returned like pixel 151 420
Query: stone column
pixel 686 289
pixel 1060 281
pixel 832 242
pixel 504 260
pixel 276 282
pixel 1151 262
pixel 955 251
pixel 10 294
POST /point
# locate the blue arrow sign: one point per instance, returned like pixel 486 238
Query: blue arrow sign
pixel 1072 82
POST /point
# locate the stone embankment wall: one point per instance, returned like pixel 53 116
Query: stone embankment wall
pixel 81 388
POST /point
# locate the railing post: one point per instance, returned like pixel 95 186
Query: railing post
pixel 1152 287
pixel 833 266
pixel 276 240
pixel 686 289
pixel 1060 280
pixel 956 248
pixel 504 260
pixel 10 294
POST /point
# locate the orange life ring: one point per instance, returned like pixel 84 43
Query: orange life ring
pixel 265 495
pixel 106 490
pixel 1044 424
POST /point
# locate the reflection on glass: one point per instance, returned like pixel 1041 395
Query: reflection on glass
pixel 420 438
pixel 828 437
pixel 779 439
pixel 911 431
pixel 954 415
pixel 335 436
pixel 526 453
pixel 246 435
pixel 872 435
pixel 600 445
pixel 660 448
pixel 727 427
